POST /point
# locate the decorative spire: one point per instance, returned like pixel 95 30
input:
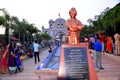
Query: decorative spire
pixel 59 14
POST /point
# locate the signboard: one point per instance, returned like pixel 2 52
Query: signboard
pixel 76 63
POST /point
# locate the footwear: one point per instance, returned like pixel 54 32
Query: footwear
pixel 101 68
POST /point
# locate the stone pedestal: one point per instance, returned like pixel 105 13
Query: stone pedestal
pixel 76 63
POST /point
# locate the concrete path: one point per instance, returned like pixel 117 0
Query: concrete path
pixel 111 68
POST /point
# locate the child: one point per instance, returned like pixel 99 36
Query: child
pixel 21 60
pixel 22 53
pixel 92 56
pixel 50 50
pixel 17 53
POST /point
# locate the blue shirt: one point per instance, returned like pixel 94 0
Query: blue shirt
pixel 98 46
pixel 18 59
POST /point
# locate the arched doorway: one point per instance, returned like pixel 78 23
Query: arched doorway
pixel 60 38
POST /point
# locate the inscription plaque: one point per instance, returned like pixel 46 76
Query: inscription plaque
pixel 76 63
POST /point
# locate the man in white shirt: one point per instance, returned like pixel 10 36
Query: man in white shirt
pixel 36 51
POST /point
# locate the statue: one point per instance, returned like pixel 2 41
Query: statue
pixel 73 26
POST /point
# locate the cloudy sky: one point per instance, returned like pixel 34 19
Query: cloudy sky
pixel 40 11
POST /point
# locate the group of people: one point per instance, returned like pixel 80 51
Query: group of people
pixel 15 59
pixel 109 44
pixel 34 50
pixel 101 43
pixel 11 59
pixel 12 56
pixel 97 43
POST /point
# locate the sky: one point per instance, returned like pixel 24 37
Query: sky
pixel 39 12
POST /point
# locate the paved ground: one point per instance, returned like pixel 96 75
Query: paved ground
pixel 111 64
pixel 111 70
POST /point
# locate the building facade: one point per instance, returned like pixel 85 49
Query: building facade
pixel 57 30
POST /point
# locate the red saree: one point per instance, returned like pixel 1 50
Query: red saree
pixel 4 62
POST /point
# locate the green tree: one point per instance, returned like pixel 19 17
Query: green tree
pixel 108 20
pixel 5 22
pixel 2 20
pixel 32 30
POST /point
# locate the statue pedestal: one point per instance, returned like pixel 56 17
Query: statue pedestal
pixel 76 63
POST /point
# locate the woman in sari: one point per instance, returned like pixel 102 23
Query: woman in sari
pixel 4 62
pixel 109 47
pixel 12 60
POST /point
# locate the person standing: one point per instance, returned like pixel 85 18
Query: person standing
pixel 31 50
pixel 3 60
pixel 98 49
pixel 109 46
pixel 102 40
pixel 12 64
pixel 117 43
pixel 22 53
pixel 17 54
pixel 92 41
pixel 36 47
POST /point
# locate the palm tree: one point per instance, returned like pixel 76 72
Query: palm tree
pixel 32 29
pixel 18 25
pixel 6 24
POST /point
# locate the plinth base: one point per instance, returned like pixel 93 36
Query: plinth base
pixel 76 63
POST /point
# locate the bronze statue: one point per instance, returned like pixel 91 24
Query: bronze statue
pixel 74 26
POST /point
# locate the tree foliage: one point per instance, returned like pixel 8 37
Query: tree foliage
pixel 21 29
pixel 2 20
pixel 108 21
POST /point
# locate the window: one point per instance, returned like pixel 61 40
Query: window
pixel 51 26
pixel 60 26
